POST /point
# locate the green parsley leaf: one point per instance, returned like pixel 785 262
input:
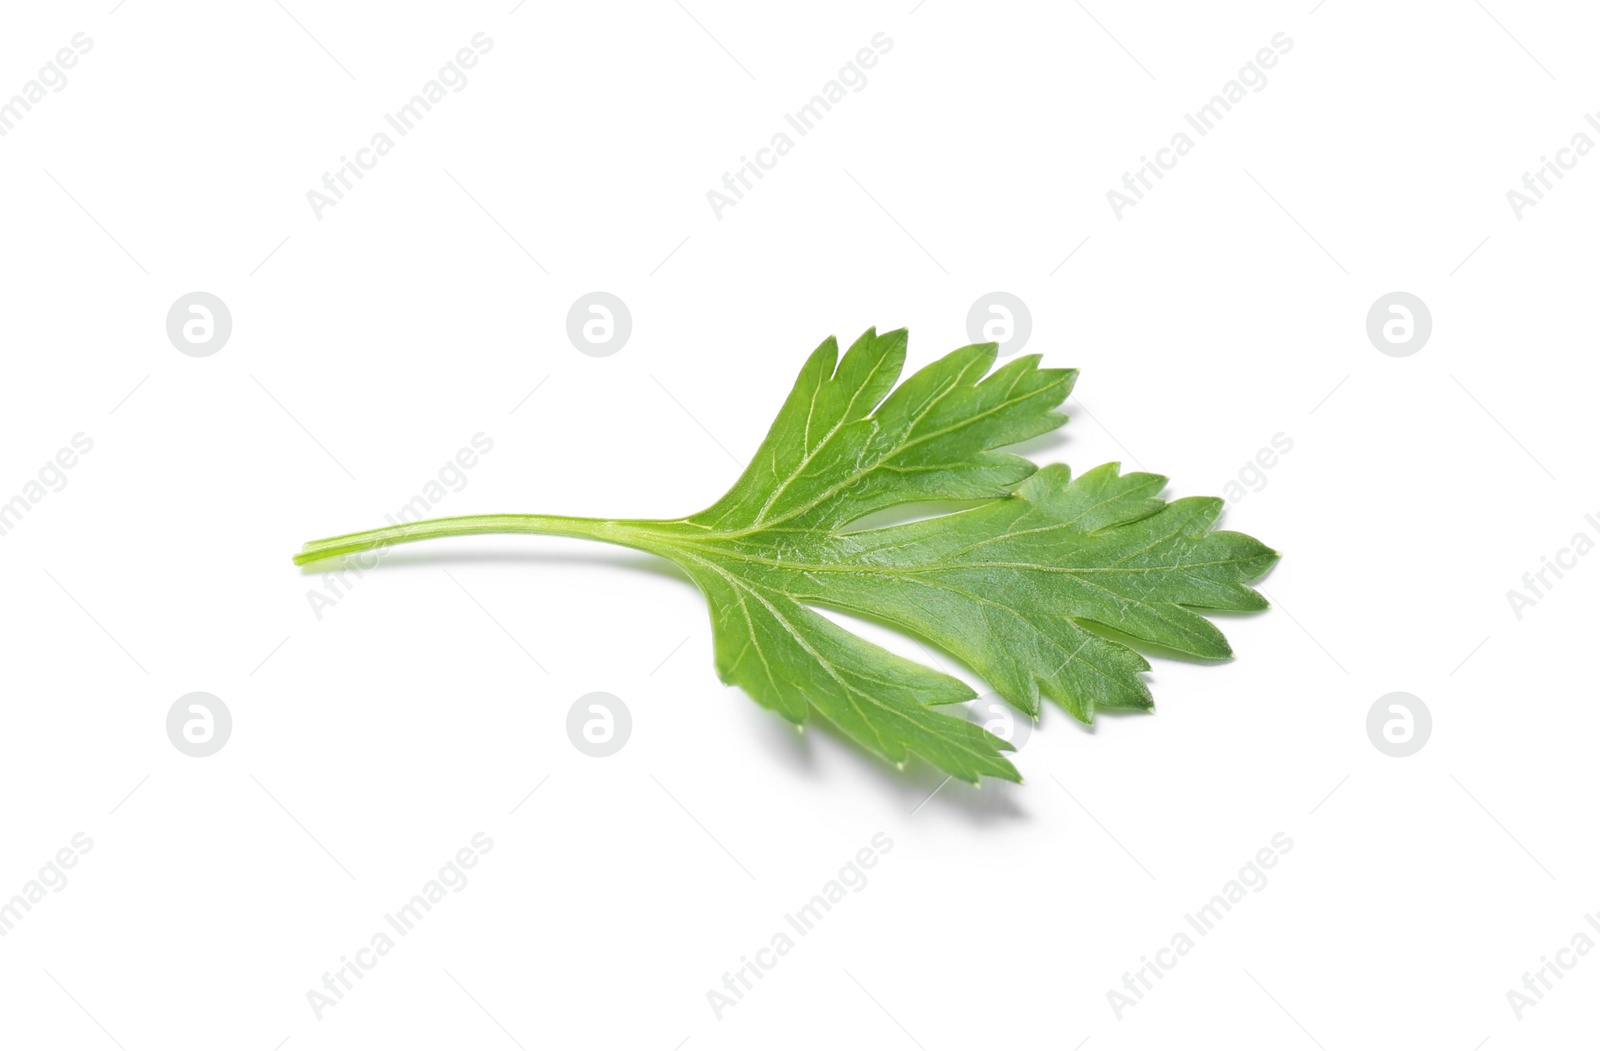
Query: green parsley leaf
pixel 1039 588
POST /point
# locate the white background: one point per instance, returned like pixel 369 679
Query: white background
pixel 369 345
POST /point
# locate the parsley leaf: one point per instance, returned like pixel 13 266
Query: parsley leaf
pixel 1021 587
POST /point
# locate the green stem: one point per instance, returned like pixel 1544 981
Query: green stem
pixel 626 533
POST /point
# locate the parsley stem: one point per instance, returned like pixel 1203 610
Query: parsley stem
pixel 608 531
